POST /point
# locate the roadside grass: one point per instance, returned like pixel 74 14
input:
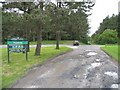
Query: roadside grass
pixel 19 66
pixel 53 42
pixel 111 50
pixel 68 42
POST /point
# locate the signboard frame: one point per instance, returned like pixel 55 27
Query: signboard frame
pixel 17 46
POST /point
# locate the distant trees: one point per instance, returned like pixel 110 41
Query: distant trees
pixel 108 23
pixel 107 32
pixel 10 25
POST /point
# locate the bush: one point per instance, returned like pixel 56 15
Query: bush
pixel 108 37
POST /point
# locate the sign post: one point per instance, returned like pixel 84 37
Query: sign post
pixel 26 55
pixel 8 54
pixel 17 46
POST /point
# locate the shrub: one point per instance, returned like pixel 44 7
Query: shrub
pixel 108 37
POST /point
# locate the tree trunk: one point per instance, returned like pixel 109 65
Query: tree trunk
pixel 57 39
pixel 39 40
pixel 33 38
pixel 39 36
pixel 58 32
pixel 46 35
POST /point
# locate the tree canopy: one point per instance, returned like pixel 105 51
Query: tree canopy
pixel 41 20
pixel 108 29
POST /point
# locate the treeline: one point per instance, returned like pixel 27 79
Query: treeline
pixel 46 20
pixel 107 32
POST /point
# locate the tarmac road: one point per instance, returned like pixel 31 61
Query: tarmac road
pixel 71 46
pixel 85 67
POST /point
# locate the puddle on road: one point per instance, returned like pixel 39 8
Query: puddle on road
pixel 97 60
pixel 88 50
pixel 94 65
pixel 32 86
pixel 113 74
pixel 76 76
pixel 85 75
pixel 73 47
pixel 114 86
pixel 92 53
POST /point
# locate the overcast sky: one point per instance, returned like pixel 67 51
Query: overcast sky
pixel 102 9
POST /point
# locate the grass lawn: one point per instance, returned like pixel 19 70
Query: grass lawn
pixel 112 50
pixel 19 66
pixel 53 42
pixel 69 42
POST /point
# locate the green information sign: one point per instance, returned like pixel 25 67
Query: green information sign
pixel 17 42
pixel 17 46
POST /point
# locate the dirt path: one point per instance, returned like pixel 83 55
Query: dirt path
pixel 85 67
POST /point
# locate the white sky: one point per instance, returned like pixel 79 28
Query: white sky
pixel 102 9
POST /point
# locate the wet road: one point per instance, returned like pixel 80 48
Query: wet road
pixel 84 67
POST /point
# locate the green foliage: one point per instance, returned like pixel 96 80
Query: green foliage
pixel 101 36
pixel 108 23
pixel 9 25
pixel 44 17
pixel 69 42
pixel 107 37
pixel 60 17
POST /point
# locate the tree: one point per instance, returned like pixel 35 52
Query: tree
pixel 57 20
pixel 77 25
pixel 70 17
pixel 9 25
pixel 28 8
pixel 42 17
pixel 108 23
pixel 108 37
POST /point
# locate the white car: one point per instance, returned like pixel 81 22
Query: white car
pixel 76 43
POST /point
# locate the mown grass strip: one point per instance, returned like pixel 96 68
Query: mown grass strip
pixel 44 42
pixel 111 50
pixel 53 42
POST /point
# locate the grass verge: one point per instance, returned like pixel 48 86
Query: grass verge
pixel 68 42
pixel 19 66
pixel 111 50
pixel 53 42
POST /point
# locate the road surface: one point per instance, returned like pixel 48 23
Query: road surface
pixel 71 46
pixel 85 67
